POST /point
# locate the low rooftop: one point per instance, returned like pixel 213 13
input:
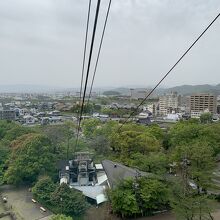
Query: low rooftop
pixel 117 172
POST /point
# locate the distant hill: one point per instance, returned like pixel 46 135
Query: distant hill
pixel 182 90
pixel 189 89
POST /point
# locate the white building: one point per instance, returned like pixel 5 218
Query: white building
pixel 29 119
pixel 168 103
pixel 82 174
pixel 172 117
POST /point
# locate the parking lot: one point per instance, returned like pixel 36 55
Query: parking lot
pixel 19 201
pixel 3 210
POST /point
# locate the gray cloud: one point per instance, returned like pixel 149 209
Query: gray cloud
pixel 41 42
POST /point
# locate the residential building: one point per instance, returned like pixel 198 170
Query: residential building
pixel 200 103
pixel 153 108
pixel 184 104
pixel 172 117
pixel 7 115
pixel 218 104
pixel 29 119
pixel 54 113
pixel 169 103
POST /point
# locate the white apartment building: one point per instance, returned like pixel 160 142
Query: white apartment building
pixel 168 103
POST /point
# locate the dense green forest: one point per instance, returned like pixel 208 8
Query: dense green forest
pixel 183 160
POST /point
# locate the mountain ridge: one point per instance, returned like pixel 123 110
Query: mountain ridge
pixel 182 89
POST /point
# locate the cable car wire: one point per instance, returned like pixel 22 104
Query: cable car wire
pixel 99 50
pixel 88 68
pixel 84 51
pixel 184 54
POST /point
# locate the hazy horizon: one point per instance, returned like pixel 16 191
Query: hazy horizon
pixel 34 87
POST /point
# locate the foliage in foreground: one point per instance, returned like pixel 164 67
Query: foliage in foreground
pixel 31 156
pixel 9 131
pixel 43 189
pixel 59 198
pixel 187 204
pixel 60 217
pixel 68 201
pixel 140 197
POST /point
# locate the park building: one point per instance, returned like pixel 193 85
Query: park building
pixel 81 173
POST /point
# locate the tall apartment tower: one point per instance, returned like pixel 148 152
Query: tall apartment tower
pixel 169 103
pixel 200 103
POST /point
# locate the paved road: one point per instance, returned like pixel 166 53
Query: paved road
pixel 2 210
pixel 20 201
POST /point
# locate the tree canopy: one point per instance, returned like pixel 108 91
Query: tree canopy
pixel 68 201
pixel 43 189
pixel 60 217
pixel 32 155
pixel 189 147
pixel 206 118
pixel 136 197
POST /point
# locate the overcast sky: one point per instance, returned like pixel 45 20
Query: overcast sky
pixel 41 42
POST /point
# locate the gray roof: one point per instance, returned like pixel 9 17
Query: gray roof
pixel 117 172
pixel 94 192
